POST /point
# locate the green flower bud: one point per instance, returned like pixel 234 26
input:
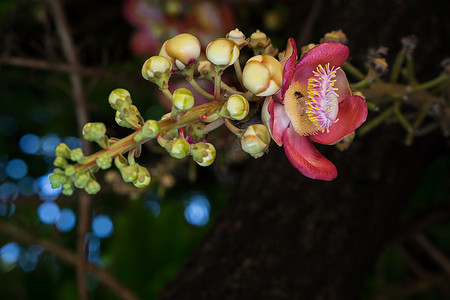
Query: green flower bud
pixel 104 162
pixel 157 69
pixel 94 131
pixel 182 99
pixel 129 173
pixel 67 188
pixel 143 178
pixel 60 162
pixel 120 121
pixel 222 52
pixel 69 171
pixel 203 153
pixel 63 150
pixel 120 99
pixel 81 181
pixel 196 132
pixel 93 187
pixel 77 155
pixel 57 180
pixel 262 75
pixel 149 130
pixel 255 140
pixel 182 50
pixel 236 108
pixel 178 148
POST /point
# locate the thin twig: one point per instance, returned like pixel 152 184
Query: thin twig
pixel 434 252
pixel 65 255
pixel 82 118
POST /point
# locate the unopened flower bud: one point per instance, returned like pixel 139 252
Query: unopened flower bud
pixel 203 153
pixel 222 52
pixel 143 178
pixel 56 180
pixel 157 69
pixel 77 155
pixel 60 162
pixel 337 36
pixel 150 129
pixel 182 50
pixel 238 37
pixel 67 188
pixel 206 69
pixel 129 173
pixel 120 99
pixel 63 150
pixel 104 162
pixel 255 140
pixel 262 75
pixel 94 131
pixel 69 171
pixel 182 99
pixel 93 187
pixel 195 132
pixel 178 148
pixel 120 121
pixel 81 181
pixel 237 107
pixel 259 39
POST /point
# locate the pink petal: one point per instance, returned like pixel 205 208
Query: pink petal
pixel 352 113
pixel 306 158
pixel 279 121
pixel 323 54
pixel 333 53
pixel 288 63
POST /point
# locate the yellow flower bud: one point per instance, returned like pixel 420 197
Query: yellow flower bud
pixel 238 37
pixel 255 140
pixel 143 179
pixel 178 148
pixel 206 69
pixel 182 50
pixel 120 99
pixel 222 52
pixel 259 39
pixel 237 107
pixel 203 153
pixel 262 75
pixel 157 69
pixel 182 99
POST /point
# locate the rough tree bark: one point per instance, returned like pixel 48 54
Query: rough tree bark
pixel 284 236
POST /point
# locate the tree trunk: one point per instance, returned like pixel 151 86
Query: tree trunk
pixel 284 236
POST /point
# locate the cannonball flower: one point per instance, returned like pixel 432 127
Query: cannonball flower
pixel 315 104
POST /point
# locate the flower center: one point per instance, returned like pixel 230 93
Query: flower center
pixel 322 102
pixel 314 107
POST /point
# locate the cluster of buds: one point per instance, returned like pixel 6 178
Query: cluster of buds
pixel 183 131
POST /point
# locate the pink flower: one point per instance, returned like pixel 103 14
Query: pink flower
pixel 315 104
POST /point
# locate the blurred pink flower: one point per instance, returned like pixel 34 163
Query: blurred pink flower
pixel 314 104
pixel 154 24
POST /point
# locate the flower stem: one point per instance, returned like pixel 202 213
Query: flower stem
pixel 429 84
pixel 376 121
pixel 401 118
pixel 397 65
pixel 199 89
pixel 348 67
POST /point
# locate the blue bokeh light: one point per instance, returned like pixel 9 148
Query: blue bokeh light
pixel 26 186
pixel 30 143
pixel 16 168
pixel 9 253
pixel 93 243
pixel 48 212
pixel 8 191
pixel 49 143
pixel 66 220
pixel 72 142
pixel 43 187
pixel 197 210
pixel 7 209
pixel 102 226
